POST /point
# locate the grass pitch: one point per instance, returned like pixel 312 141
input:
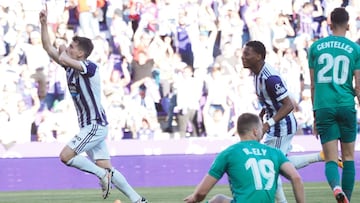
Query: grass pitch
pixel 315 193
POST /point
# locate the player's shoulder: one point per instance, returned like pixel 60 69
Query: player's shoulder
pixel 88 62
pixel 269 71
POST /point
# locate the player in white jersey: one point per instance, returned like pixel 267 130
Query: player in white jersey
pixel 84 86
pixel 280 125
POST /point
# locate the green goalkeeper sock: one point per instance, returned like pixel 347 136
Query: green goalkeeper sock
pixel 332 174
pixel 348 178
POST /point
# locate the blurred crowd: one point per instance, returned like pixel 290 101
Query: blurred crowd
pixel 170 68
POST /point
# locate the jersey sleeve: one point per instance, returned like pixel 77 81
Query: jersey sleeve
pixel 276 88
pixel 219 165
pixel 282 158
pixel 89 68
pixel 357 59
pixel 311 58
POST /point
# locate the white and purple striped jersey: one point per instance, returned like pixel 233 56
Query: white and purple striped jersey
pixel 85 90
pixel 270 90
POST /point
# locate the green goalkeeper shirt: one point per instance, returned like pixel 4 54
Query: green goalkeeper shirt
pixel 333 60
pixel 252 169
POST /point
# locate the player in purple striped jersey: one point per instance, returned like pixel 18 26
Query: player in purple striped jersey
pixel 84 86
pixel 280 125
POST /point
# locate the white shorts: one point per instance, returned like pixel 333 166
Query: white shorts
pixel 91 139
pixel 283 143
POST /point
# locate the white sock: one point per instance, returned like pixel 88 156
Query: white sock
pixel 84 164
pixel 121 183
pixel 280 195
pixel 300 161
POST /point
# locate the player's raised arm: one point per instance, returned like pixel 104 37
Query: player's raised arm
pixel 45 39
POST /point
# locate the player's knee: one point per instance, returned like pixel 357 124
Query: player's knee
pixel 66 155
pixel 104 163
pixel 64 159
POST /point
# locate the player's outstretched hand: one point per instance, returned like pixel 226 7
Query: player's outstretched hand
pixel 43 16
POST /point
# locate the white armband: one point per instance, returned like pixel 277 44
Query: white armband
pixel 271 122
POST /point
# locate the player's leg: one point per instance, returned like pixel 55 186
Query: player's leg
pixel 101 156
pixel 348 173
pixel 348 130
pixel 280 195
pixel 329 131
pixel 331 168
pixel 299 161
pixel 284 144
pixel 220 198
pixel 85 140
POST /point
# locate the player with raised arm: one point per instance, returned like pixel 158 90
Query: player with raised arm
pixel 84 87
pixel 252 169
pixel 334 62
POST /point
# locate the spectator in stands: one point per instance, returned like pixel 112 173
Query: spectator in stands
pixel 35 55
pixel 134 13
pixel 142 107
pixel 142 73
pixel 183 43
pixel 304 114
pixel 306 20
pixel 45 131
pixel 165 63
pixel 6 140
pixel 114 6
pixel 290 69
pixel 231 25
pixel 115 91
pixel 170 102
pixel 227 60
pixel 282 30
pixel 145 132
pixel 203 49
pixel 189 92
pixel 56 86
pixel 40 80
pixel 149 15
pixel 249 13
pixel 88 18
pixel 121 35
pixel 216 111
pixel 63 33
pixel 24 115
pixel 65 120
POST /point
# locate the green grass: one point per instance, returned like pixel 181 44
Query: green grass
pixel 315 193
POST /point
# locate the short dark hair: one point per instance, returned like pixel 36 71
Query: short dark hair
pixel 246 122
pixel 258 47
pixel 339 16
pixel 85 44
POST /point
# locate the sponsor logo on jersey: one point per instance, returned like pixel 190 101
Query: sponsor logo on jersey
pixel 279 89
